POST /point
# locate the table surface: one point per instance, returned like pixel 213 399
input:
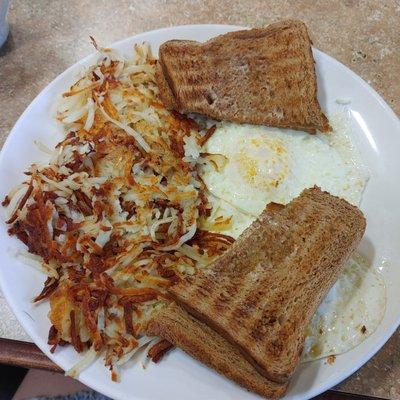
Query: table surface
pixel 47 36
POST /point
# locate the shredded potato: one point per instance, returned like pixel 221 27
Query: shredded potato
pixel 113 217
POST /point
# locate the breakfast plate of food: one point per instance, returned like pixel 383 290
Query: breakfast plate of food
pixel 204 211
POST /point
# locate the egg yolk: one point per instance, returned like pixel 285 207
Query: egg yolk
pixel 262 162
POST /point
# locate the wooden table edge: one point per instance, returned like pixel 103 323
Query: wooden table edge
pixel 26 355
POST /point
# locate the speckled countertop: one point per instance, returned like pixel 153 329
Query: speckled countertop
pixel 48 36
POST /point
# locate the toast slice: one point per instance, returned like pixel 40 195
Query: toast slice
pixel 202 343
pixel 261 294
pixel 260 76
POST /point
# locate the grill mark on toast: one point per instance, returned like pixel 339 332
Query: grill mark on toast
pixel 262 316
pixel 273 319
pixel 265 281
pixel 317 225
pixel 208 283
pixel 222 77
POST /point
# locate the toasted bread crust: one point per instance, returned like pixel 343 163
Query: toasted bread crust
pixel 261 294
pixel 202 343
pixel 258 76
pixel 165 91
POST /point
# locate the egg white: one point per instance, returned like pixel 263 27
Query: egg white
pixel 351 311
pixel 268 164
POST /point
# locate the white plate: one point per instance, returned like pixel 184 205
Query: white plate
pixel 377 135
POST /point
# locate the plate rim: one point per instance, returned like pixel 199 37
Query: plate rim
pixel 137 38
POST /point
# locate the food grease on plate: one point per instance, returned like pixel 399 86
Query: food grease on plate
pixel 351 311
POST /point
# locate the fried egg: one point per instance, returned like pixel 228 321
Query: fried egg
pixel 268 164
